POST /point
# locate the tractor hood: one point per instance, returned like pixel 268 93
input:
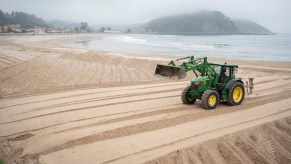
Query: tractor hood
pixel 199 79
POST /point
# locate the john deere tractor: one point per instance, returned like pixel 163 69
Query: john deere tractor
pixel 214 83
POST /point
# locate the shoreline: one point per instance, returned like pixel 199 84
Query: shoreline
pixel 54 38
pixel 175 53
pixel 26 49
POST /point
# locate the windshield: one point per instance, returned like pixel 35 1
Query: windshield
pixel 216 68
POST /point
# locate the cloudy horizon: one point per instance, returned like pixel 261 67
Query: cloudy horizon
pixel 272 14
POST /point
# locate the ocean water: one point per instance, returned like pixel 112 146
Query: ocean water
pixel 245 47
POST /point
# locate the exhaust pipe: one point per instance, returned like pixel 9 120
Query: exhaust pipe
pixel 170 71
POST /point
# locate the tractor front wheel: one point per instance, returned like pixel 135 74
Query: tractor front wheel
pixel 210 99
pixel 186 97
pixel 236 94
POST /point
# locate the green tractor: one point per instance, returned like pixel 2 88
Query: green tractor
pixel 214 83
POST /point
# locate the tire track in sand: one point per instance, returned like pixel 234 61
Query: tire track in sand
pixel 134 129
pixel 167 135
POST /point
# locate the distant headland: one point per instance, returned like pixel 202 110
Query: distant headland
pixel 199 23
pixel 203 23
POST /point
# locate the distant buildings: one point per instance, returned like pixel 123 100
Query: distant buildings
pixel 111 31
pixel 38 30
pixel 16 28
pixel 11 28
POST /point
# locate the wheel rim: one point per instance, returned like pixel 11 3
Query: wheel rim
pixel 212 100
pixel 237 94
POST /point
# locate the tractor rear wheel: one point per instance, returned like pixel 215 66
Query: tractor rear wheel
pixel 186 97
pixel 236 94
pixel 210 99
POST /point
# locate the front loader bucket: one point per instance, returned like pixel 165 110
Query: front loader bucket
pixel 170 71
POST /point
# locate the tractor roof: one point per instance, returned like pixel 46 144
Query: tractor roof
pixel 227 65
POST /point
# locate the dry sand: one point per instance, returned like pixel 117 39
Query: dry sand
pixel 67 105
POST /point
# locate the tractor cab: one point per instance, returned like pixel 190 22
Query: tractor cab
pixel 225 72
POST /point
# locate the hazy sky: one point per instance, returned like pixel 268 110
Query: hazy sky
pixel 273 14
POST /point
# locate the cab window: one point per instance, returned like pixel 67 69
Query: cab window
pixel 216 68
pixel 227 72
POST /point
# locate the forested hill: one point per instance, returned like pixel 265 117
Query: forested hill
pixel 249 27
pixel 24 19
pixel 204 22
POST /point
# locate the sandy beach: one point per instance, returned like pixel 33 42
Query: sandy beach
pixel 66 105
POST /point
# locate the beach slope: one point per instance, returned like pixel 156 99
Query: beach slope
pixel 68 105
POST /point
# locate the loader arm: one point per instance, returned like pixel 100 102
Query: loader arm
pixel 172 69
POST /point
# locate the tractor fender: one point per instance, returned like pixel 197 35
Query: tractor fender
pixel 215 89
pixel 227 86
pixel 229 83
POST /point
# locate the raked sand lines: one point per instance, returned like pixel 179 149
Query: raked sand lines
pixel 48 125
pixel 64 105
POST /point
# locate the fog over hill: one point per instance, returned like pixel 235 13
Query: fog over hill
pixel 25 19
pixel 199 23
pixel 203 22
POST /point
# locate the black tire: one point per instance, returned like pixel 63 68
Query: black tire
pixel 236 94
pixel 186 99
pixel 208 101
